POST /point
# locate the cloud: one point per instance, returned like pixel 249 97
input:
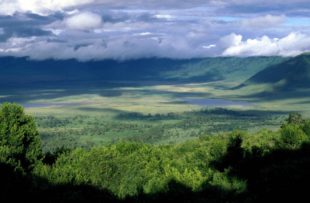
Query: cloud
pixel 287 7
pixel 46 7
pixel 16 44
pixel 119 48
pixel 290 45
pixel 42 7
pixel 124 29
pixel 267 21
pixel 24 25
pixel 210 46
pixel 231 40
pixel 164 16
pixel 84 21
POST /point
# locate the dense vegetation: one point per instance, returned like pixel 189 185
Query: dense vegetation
pixel 87 131
pixel 289 75
pixel 229 167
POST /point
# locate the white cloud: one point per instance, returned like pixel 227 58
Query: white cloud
pixel 230 40
pixel 263 21
pixel 73 12
pixel 143 34
pixel 15 45
pixel 45 7
pixel 209 46
pixel 164 16
pixel 84 21
pixel 56 31
pixel 290 45
pixel 42 7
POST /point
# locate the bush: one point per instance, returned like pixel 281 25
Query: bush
pixel 295 118
pixel 292 136
pixel 20 144
pixel 306 128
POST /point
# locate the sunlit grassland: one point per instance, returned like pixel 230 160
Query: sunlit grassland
pixel 146 99
pixel 156 114
pixel 161 99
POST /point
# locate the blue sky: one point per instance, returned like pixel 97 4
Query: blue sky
pixel 127 29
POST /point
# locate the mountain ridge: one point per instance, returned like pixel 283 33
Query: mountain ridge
pixel 291 74
pixel 22 71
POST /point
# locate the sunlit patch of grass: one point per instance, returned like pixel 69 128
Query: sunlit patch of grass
pixel 3 96
pixel 165 98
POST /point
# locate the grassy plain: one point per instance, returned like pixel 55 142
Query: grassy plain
pixel 154 114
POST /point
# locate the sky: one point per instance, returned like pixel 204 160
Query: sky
pixel 132 29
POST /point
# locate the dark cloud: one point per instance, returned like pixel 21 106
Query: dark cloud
pixel 25 25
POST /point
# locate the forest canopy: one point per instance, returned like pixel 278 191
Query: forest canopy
pixel 229 167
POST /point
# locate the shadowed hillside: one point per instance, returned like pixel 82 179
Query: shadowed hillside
pixel 24 73
pixel 291 74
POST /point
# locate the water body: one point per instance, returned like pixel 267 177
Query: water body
pixel 215 102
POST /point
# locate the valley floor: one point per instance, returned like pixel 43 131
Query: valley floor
pixel 152 113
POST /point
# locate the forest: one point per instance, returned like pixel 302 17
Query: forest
pixel 236 166
pixel 90 130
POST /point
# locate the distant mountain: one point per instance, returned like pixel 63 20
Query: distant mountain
pixel 233 69
pixel 25 73
pixel 291 74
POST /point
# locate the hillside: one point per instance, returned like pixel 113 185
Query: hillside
pixel 233 69
pixel 22 72
pixel 288 75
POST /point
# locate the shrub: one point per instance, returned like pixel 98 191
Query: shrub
pixel 292 136
pixel 295 118
pixel 306 128
pixel 20 144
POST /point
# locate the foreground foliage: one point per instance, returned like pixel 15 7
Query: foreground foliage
pixel 20 144
pixel 230 167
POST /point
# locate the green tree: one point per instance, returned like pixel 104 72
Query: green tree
pixel 295 118
pixel 306 127
pixel 20 144
pixel 292 136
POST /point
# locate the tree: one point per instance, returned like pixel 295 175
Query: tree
pixel 295 118
pixel 306 127
pixel 292 136
pixel 20 144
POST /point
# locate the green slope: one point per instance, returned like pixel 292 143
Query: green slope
pixel 289 75
pixel 232 69
pixel 21 72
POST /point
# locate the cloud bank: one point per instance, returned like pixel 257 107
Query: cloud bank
pixel 119 29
